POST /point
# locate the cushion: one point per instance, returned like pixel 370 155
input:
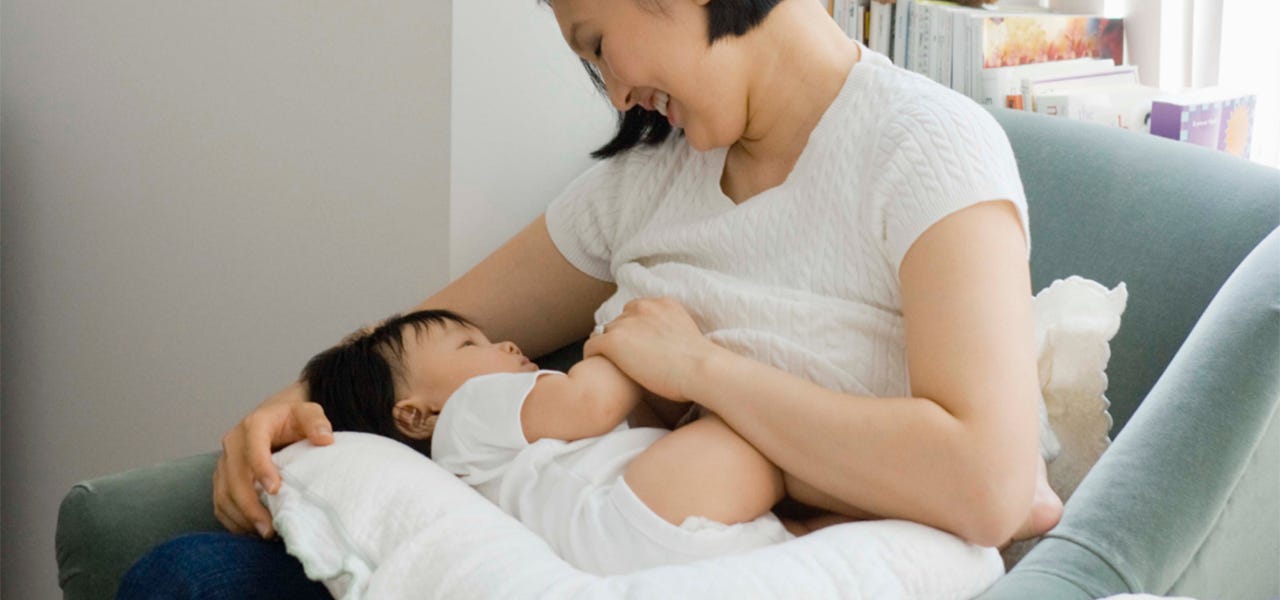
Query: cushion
pixel 372 518
pixel 1075 319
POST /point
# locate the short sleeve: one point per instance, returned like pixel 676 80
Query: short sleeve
pixel 479 431
pixel 582 219
pixel 940 155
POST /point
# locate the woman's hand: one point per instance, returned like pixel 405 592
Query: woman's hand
pixel 656 343
pixel 281 420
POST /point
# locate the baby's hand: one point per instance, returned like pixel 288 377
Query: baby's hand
pixel 655 342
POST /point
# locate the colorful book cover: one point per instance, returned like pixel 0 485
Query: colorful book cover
pixel 1026 39
pixel 1221 123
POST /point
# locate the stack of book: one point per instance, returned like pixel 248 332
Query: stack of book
pixel 1014 56
pixel 868 21
pixel 1028 58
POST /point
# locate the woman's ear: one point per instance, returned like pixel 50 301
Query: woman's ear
pixel 414 419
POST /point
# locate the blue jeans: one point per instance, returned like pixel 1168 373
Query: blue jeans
pixel 219 565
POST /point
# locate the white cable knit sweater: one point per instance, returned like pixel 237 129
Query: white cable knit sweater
pixel 803 276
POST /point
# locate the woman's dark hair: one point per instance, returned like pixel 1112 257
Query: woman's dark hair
pixel 639 126
pixel 355 381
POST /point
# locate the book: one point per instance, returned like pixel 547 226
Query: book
pixel 997 85
pixel 1036 38
pixel 859 20
pixel 971 49
pixel 1064 83
pixel 880 38
pixel 901 11
pixel 943 16
pixel 1124 106
pixel 919 44
pixel 1214 117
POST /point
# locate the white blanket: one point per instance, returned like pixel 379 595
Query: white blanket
pixel 425 534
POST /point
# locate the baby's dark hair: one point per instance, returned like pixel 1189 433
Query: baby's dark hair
pixel 355 381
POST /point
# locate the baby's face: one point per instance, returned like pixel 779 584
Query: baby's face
pixel 439 359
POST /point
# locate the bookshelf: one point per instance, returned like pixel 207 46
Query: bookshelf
pixel 1055 58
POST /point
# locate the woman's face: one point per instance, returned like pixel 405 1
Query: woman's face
pixel 644 49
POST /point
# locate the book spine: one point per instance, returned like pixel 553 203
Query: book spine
pixel 866 25
pixel 941 44
pixel 915 25
pixel 974 57
pixel 882 28
pixel 859 25
pixel 901 11
pixel 959 74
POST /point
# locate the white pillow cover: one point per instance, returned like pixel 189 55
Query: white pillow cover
pixel 1075 319
pixel 372 518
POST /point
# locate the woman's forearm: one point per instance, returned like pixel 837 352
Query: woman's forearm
pixel 895 457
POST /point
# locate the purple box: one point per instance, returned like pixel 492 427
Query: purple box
pixel 1209 118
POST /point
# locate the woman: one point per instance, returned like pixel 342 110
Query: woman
pixel 822 220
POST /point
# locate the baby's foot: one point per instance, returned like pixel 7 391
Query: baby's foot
pixel 1046 508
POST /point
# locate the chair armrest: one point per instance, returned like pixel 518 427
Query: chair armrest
pixel 1177 473
pixel 107 523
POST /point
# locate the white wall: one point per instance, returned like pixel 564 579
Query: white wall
pixel 525 118
pixel 197 196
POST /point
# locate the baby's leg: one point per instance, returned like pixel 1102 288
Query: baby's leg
pixel 705 469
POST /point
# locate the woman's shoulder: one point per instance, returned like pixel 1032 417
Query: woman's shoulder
pixel 897 98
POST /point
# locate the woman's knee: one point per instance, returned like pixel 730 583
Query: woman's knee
pixel 218 565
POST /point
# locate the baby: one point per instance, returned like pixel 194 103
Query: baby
pixel 553 449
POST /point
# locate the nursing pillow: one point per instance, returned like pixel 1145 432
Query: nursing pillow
pixel 372 518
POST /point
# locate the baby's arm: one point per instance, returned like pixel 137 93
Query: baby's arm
pixel 590 400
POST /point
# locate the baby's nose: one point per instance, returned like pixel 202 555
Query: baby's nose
pixel 510 347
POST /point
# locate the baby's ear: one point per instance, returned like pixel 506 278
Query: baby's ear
pixel 414 421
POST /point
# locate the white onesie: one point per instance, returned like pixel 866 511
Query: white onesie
pixel 572 493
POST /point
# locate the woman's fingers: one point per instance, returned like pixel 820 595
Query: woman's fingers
pixel 245 465
pixel 262 429
pixel 310 422
pixel 236 503
pixel 244 453
pixel 223 509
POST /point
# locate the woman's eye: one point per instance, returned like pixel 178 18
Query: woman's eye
pixel 468 343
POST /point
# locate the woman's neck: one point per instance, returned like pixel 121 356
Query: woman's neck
pixel 802 62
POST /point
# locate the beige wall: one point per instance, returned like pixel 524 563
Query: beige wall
pixel 197 196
